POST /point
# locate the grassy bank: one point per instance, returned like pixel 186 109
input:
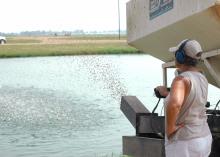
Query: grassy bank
pixel 55 46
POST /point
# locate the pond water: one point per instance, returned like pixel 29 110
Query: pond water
pixel 70 106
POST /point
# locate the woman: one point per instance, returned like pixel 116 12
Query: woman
pixel 187 131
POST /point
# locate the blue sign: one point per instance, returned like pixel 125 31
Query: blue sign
pixel 159 7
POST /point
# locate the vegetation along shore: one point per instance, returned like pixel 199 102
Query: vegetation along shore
pixel 65 45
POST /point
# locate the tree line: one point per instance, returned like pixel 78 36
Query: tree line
pixel 58 33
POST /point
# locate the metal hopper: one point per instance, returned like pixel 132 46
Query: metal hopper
pixel 153 26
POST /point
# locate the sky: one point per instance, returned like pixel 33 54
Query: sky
pixel 59 15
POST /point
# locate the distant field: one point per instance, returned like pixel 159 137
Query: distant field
pixel 62 45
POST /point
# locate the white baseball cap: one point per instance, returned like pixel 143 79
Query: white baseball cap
pixel 192 48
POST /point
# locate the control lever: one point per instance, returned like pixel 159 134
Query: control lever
pixel 157 93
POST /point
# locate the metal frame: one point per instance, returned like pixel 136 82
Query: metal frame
pixel 165 66
pixel 205 58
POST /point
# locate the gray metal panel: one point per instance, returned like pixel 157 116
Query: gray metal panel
pixel 143 147
pixel 130 106
pixel 151 124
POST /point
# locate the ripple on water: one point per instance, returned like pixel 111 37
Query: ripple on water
pixel 58 106
pixel 40 108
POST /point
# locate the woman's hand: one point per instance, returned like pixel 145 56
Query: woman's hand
pixel 174 130
pixel 162 90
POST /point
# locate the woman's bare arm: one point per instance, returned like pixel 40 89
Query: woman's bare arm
pixel 179 91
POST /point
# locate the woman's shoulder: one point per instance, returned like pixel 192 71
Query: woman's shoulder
pixel 181 80
pixel 184 79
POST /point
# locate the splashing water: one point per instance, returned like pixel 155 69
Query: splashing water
pixel 67 106
pixel 102 70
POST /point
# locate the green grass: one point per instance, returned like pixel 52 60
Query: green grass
pixel 63 45
pixel 65 49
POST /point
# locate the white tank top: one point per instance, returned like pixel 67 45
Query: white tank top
pixel 193 112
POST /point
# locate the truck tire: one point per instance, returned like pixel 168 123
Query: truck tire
pixel 2 42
